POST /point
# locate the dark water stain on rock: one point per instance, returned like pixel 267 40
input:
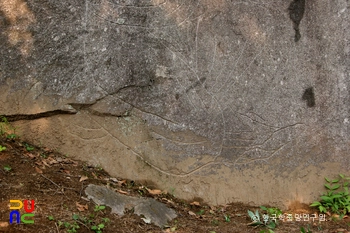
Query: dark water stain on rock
pixel 296 13
pixel 309 97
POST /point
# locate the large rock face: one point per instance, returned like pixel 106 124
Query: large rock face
pixel 216 99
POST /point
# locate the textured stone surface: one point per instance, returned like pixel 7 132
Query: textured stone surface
pixel 222 100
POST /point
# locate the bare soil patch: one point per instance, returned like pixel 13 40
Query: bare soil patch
pixel 56 183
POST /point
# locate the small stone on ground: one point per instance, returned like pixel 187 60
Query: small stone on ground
pixel 157 212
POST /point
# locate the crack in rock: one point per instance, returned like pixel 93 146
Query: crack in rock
pixel 34 116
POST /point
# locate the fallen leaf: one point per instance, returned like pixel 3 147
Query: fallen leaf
pixel 64 170
pixel 169 201
pixel 38 170
pixel 196 203
pixel 84 198
pixel 46 164
pixel 115 180
pixel 48 150
pixel 4 224
pixel 68 160
pixel 83 178
pixel 94 175
pixel 118 182
pixel 30 155
pixel 191 213
pixel 39 163
pixel 51 160
pixel 81 207
pixel 122 182
pixel 121 191
pixel 154 191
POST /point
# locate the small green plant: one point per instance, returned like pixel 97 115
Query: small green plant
pixel 28 147
pixel 98 228
pixel 201 212
pixel 99 208
pixel 302 230
pixel 7 168
pixel 12 136
pixel 215 222
pixel 90 222
pixel 172 192
pixel 266 231
pixel 272 211
pixel 265 222
pixel 227 218
pixel 337 198
pixel 2 148
pixel 50 218
pixel 105 220
pixel 5 126
pixel 75 217
pixel 141 192
pixel 71 227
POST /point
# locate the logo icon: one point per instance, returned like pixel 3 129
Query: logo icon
pixel 16 205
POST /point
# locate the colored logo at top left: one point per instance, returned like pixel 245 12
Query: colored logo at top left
pixel 15 215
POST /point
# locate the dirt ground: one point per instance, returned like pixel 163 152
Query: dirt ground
pixel 56 183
